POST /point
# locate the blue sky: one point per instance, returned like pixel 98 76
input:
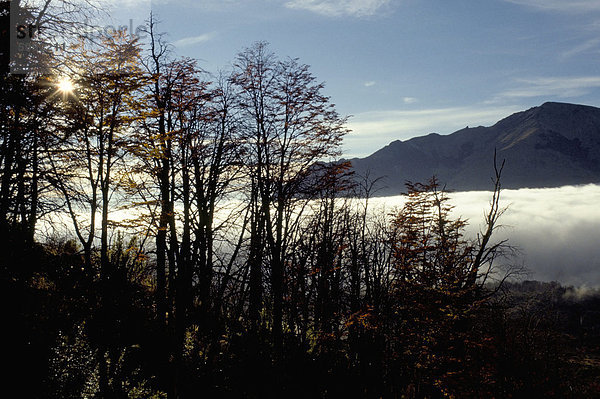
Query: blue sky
pixel 405 68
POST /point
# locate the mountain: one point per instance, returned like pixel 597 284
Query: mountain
pixel 552 145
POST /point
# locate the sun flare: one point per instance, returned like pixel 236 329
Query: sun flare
pixel 65 86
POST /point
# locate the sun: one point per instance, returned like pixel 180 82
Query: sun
pixel 65 86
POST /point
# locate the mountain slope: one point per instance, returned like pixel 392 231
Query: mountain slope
pixel 551 145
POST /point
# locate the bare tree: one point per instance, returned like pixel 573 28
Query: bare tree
pixel 290 125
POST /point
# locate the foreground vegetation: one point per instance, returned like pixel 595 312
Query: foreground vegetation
pixel 529 340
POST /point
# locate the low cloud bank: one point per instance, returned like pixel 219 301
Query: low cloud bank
pixel 557 230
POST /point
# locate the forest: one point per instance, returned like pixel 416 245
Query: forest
pixel 170 233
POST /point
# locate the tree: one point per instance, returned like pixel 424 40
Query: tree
pixel 85 165
pixel 289 126
pixel 440 285
pixel 187 149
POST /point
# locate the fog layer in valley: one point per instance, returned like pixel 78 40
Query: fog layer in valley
pixel 557 230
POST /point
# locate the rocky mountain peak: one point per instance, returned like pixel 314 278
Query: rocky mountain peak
pixel 551 145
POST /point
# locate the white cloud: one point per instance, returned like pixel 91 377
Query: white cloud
pixel 373 130
pixel 409 100
pixel 189 41
pixel 555 229
pixel 553 86
pixel 561 5
pixel 339 8
pixel 370 83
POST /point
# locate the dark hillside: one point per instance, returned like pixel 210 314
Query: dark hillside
pixel 552 145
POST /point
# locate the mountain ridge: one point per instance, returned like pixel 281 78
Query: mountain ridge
pixel 550 145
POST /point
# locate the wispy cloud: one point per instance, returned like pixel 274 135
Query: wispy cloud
pixel 583 48
pixel 585 13
pixel 409 100
pixel 373 130
pixel 210 5
pixel 577 6
pixel 370 83
pixel 339 8
pixel 553 86
pixel 113 3
pixel 191 40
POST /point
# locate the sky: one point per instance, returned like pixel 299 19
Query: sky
pixel 403 68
